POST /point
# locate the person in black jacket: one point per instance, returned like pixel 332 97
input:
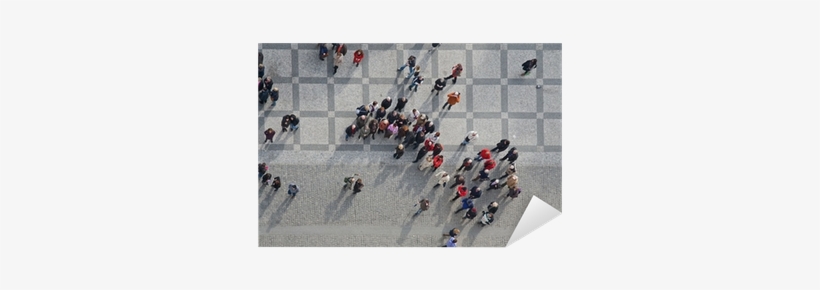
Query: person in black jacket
pixel 350 131
pixel 475 192
pixel 418 140
pixel 472 213
pixel 501 145
pixel 492 207
pixel 294 123
pixel 263 96
pixel 399 151
pixel 387 102
pixel 392 117
pixel 285 123
pixel 422 153
pixel 512 155
pixel 459 180
pixel 400 105
pixel 440 83
pixel 529 65
pixel 261 70
pixel 274 96
pixel 381 113
pixel 429 127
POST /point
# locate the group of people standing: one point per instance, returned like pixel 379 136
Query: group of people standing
pixel 412 129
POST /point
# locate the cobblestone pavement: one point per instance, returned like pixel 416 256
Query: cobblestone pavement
pixel 496 101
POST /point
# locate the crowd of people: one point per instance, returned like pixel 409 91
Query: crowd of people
pixel 412 129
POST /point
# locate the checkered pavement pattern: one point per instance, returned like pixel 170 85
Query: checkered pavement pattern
pixel 496 101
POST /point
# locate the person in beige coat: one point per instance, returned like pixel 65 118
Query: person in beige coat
pixel 512 181
pixel 426 163
pixel 443 178
pixel 337 61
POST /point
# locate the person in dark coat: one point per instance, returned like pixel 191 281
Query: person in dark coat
pixel 294 123
pixel 265 179
pixel 492 207
pixel 350 131
pixel 529 65
pixel 482 175
pixel 361 121
pixel 416 82
pixel 429 127
pixel 263 168
pixel 322 51
pixel 373 126
pixel 381 113
pixel 475 192
pixel 512 155
pixel 268 83
pixel 467 164
pixel 401 121
pixel 400 104
pixel 403 132
pixel 277 183
pixel 437 149
pixel 399 151
pixel 274 96
pixel 422 152
pixel 494 184
pixel 411 62
pixel 285 123
pixel 418 139
pixel 261 70
pixel 501 145
pixel 261 57
pixel 459 180
pixel 358 186
pixel 269 133
pixel 439 85
pixel 514 192
pixel 263 96
pixel 392 117
pixel 472 213
pixel 387 102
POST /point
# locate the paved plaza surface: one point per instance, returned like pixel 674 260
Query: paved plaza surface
pixel 496 101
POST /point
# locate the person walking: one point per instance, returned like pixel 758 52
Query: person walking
pixel 494 184
pixel 424 204
pixel 470 214
pixel 472 135
pixel 457 69
pixel 461 191
pixel 358 186
pixel 512 181
pixel 399 151
pixel 529 65
pixel 294 123
pixel 451 243
pixel 322 51
pixel 263 168
pixel 489 164
pixel 443 178
pixel 467 164
pixel 510 171
pixel 411 62
pixel 475 192
pixel 514 192
pixel 427 162
pixel 386 103
pixel 482 175
pixel 486 219
pixel 501 145
pixel 512 155
pixel 269 133
pixel 266 179
pixel 337 61
pixel 414 85
pixel 293 190
pixel 418 139
pixel 466 203
pixel 459 180
pixel 400 104
pixel 277 183
pixel 452 234
pixel 350 131
pixel 358 55
pixel 274 96
pixel 439 85
pixel 437 148
pixel 483 154
pixel 452 99
pixel 438 160
pixel 492 207
pixel 391 130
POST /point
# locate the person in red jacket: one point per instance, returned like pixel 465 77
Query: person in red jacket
pixel 437 161
pixel 489 164
pixel 461 191
pixel 484 154
pixel 456 73
pixel 358 56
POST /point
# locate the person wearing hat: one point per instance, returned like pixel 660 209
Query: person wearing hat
pixel 452 99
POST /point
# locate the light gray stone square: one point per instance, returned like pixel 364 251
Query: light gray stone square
pixel 347 98
pixel 552 98
pixel 312 130
pixel 514 60
pixel 486 98
pixel 313 97
pixel 486 64
pixel 452 131
pixel 365 81
pixel 311 66
pixel 381 63
pixel 523 131
pixel 296 147
pixel 340 126
pixel 379 92
pixel 347 69
pixel 285 102
pixel 447 59
pixel 489 132
pixel 521 98
pixel 551 64
pixel 552 132
pixel 277 62
pixel 295 80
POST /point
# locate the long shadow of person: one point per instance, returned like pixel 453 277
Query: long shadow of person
pixel 330 209
pixel 279 214
pixel 345 206
pixel 405 231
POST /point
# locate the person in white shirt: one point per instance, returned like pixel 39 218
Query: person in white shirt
pixel 472 135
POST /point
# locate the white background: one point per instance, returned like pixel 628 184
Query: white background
pixel 690 135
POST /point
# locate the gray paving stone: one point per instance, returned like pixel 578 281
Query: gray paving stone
pixel 490 62
pixel 552 67
pixel 521 98
pixel 523 131
pixel 552 98
pixel 552 132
